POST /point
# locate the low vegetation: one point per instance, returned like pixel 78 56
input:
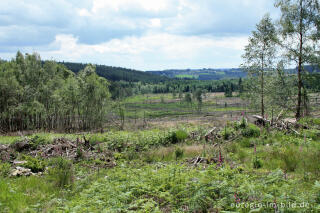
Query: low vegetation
pixel 245 168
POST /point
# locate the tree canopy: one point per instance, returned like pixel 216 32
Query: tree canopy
pixel 47 95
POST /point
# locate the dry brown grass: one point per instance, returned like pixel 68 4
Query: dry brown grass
pixel 193 150
pixel 189 151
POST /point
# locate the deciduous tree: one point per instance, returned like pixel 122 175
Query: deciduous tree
pixel 299 26
pixel 259 56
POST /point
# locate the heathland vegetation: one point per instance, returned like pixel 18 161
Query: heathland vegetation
pixel 93 138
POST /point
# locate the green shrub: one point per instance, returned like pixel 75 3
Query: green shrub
pixel 181 135
pixel 290 159
pixel 251 131
pixel 312 133
pixel 95 139
pixel 309 121
pixel 242 155
pixel 5 169
pixel 257 163
pixel 246 143
pixel 35 164
pixel 172 138
pixel 61 172
pixel 178 152
pixel 176 136
pixel 99 148
pixel 118 156
pixel 131 155
pixel 243 123
pixel 148 157
pixel 232 147
pixel 310 160
pixel 236 125
pixel 38 140
pixel 226 133
pixel 240 124
pixel 80 154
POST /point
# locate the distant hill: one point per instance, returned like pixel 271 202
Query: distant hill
pixel 312 68
pixel 217 74
pixel 130 75
pixel 118 73
pixel 202 74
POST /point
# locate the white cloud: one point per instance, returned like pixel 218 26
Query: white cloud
pixel 117 5
pixel 84 12
pixel 155 22
pixel 151 51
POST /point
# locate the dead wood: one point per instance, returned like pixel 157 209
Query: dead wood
pixel 261 120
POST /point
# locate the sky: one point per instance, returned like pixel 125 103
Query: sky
pixel 138 34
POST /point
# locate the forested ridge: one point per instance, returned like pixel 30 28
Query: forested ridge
pixel 117 73
pixel 47 95
pixel 219 74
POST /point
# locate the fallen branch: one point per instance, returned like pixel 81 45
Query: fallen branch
pixel 279 116
pixel 261 120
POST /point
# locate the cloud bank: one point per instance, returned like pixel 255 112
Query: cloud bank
pixel 139 34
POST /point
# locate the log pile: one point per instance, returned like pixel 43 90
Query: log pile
pixel 6 153
pixel 60 147
pixel 201 160
pixel 286 124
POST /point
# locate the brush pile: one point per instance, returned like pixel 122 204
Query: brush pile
pixel 285 124
pixel 60 147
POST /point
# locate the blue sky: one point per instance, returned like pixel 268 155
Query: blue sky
pixel 138 34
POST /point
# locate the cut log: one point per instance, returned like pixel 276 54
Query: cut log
pixel 261 120
pixel 196 161
pixel 209 134
pixel 211 131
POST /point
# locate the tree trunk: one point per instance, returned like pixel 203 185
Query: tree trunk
pixel 262 93
pixel 298 112
pixel 262 85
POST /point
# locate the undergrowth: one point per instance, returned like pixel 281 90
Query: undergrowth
pixel 153 173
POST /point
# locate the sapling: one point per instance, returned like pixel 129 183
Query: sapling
pixel 256 163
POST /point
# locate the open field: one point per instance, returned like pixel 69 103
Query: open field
pixel 165 108
pixel 216 110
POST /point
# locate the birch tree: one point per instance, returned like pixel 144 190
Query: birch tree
pixel 299 27
pixel 259 57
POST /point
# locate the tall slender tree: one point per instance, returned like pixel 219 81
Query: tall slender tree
pixel 259 55
pixel 299 26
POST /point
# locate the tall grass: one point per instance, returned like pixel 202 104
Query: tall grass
pixel 61 173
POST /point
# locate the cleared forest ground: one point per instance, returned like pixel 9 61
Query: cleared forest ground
pixel 172 164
